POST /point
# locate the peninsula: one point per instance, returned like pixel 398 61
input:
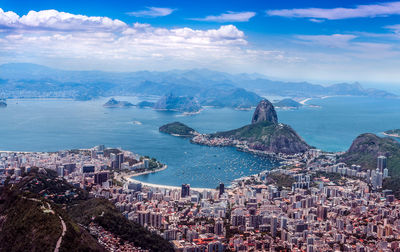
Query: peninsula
pixel 392 133
pixel 288 104
pixel 263 136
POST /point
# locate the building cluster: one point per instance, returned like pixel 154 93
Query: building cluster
pixel 313 213
pixel 110 241
pixel 373 177
pixel 80 167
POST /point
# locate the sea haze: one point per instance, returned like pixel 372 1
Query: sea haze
pixel 51 125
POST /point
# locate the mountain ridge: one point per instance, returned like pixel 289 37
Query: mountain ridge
pixel 99 83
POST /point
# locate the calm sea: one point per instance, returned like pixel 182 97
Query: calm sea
pixel 51 125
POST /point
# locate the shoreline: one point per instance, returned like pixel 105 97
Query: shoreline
pixel 391 135
pixel 303 102
pixel 129 178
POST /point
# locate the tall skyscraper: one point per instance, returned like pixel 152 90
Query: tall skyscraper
pixel 120 158
pixel 221 189
pixel 100 177
pixel 381 164
pixel 185 192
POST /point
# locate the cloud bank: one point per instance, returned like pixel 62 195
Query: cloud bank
pixel 152 12
pixel 230 16
pixel 360 11
pixel 53 36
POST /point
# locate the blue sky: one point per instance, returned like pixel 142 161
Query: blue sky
pixel 318 41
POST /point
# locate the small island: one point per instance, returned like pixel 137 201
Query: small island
pixel 392 133
pixel 112 103
pixel 3 103
pixel 288 104
pixel 178 129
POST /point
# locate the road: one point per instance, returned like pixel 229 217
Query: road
pixel 50 210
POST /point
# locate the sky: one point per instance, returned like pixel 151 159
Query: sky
pixel 316 41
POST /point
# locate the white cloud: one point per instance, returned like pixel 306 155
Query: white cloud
pixel 395 28
pixel 64 37
pixel 55 20
pixel 334 40
pixel 152 12
pixel 360 11
pixel 230 16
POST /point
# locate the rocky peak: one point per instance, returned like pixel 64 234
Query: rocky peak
pixel 265 112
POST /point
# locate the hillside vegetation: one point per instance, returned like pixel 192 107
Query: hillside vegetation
pixel 30 213
pixel 366 148
pixel 268 136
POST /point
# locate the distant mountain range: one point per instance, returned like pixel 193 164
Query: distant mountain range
pixel 210 88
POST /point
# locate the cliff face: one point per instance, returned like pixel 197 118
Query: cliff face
pixel 265 112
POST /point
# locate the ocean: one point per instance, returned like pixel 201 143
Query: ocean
pixel 59 124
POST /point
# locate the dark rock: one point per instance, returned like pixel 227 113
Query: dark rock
pixel 265 112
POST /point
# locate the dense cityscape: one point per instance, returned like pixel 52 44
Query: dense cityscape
pixel 311 203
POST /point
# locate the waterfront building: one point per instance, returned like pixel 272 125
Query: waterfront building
pixel 221 189
pixel 185 191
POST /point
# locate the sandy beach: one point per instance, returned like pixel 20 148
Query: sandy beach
pixel 391 135
pixel 129 177
pixel 304 101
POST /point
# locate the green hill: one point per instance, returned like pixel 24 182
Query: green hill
pixel 27 223
pixel 268 136
pixel 288 103
pixel 104 213
pixel 30 213
pixel 177 128
pixel 366 148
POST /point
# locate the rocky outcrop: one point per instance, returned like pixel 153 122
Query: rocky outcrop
pixel 112 103
pixel 265 112
pixel 267 136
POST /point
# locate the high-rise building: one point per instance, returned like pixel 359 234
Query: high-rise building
pixel 88 168
pixel 322 212
pixel 69 168
pixel 60 171
pixel 221 189
pixel 381 164
pixel 185 192
pixel 100 177
pixel 219 227
pixel 385 173
pixel 120 158
pixel 114 162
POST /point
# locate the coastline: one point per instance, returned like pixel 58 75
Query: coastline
pixel 129 178
pixel 391 135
